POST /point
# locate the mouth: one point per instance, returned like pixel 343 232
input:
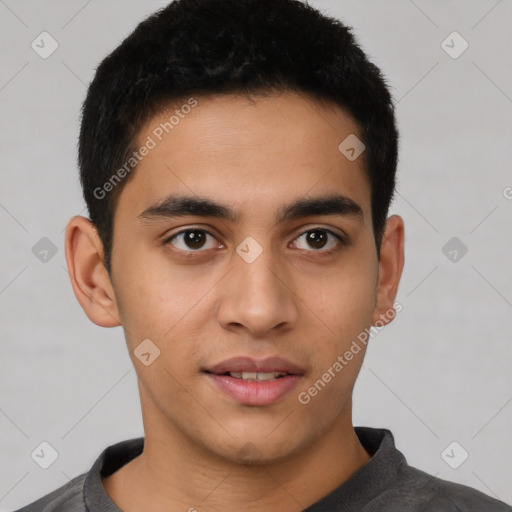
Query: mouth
pixel 252 376
pixel 249 368
pixel 251 382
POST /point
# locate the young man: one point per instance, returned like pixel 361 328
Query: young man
pixel 238 160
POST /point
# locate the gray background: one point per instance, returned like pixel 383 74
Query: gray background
pixel 441 372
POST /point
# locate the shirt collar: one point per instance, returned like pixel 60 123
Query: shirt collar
pixel 367 483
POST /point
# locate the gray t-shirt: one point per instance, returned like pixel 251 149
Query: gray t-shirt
pixel 386 483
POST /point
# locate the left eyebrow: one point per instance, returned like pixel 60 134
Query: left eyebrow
pixel 180 206
pixel 327 205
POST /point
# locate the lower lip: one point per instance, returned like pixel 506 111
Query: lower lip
pixel 252 392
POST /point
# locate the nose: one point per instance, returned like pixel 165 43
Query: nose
pixel 257 297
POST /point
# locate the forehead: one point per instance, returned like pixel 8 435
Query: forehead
pixel 250 153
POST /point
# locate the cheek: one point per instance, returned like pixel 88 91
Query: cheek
pixel 152 297
pixel 342 301
pixel 328 393
pixel 340 307
pixel 152 309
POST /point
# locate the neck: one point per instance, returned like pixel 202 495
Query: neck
pixel 174 473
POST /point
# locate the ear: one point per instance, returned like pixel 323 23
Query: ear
pixel 391 263
pixel 89 277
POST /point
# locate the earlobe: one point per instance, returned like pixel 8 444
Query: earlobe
pixel 391 264
pixel 89 278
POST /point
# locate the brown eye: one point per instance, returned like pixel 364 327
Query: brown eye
pixel 191 240
pixel 319 239
pixel 194 239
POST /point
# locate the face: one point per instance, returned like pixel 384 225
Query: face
pixel 272 256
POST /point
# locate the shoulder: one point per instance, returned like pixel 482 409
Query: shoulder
pixel 426 493
pixel 69 497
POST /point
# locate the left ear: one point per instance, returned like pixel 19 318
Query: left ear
pixel 391 263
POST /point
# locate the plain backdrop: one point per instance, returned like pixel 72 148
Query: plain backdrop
pixel 440 373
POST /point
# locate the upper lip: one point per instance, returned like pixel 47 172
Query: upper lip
pixel 248 364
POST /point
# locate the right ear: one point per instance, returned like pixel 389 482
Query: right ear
pixel 89 277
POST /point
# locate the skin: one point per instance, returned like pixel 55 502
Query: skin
pixel 203 450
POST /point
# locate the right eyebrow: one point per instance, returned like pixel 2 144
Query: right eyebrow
pixel 181 206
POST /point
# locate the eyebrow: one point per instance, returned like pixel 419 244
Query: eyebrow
pixel 174 206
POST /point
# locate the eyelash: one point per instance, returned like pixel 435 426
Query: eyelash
pixel 189 253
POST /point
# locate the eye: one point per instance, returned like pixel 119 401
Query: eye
pixel 318 239
pixel 191 240
pixel 197 240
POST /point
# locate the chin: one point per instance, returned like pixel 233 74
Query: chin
pixel 253 451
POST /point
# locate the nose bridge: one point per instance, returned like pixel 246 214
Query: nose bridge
pixel 256 296
pixel 261 276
